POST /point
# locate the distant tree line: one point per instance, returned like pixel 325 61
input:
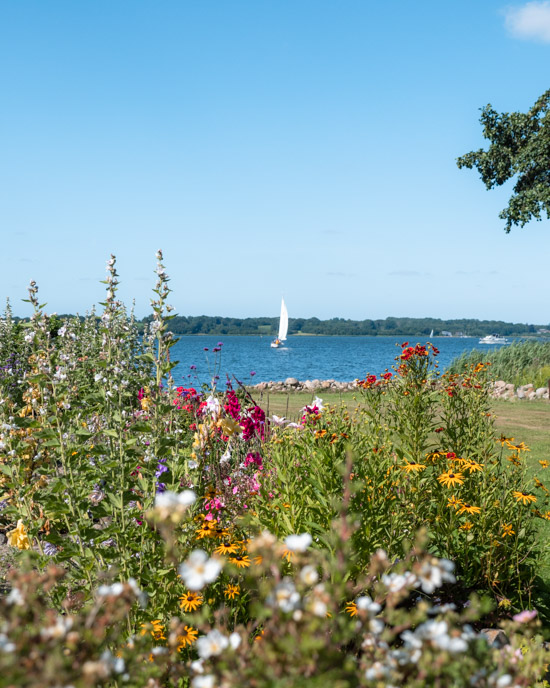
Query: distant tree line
pixel 204 324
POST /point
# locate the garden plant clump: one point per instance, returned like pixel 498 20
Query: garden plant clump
pixel 175 536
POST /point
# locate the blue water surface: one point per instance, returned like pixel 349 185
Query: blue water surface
pixel 303 357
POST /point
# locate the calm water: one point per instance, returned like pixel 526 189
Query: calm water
pixel 305 358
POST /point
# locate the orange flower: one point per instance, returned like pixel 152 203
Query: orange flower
pixel 507 530
pixel 351 609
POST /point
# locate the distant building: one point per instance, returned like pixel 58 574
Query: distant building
pixel 444 333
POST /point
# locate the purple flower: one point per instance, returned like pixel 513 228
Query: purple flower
pixel 49 549
pixel 206 348
pixel 252 373
pixel 216 349
pixel 220 343
pixel 193 367
pixel 161 487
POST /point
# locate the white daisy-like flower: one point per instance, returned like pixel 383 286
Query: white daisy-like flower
pixel 298 543
pixel 395 582
pixel 309 575
pixel 364 603
pixel 199 569
pixel 285 596
pixel 206 681
pixel 212 644
pixel 167 500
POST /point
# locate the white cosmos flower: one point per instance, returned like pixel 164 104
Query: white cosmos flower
pixel 285 596
pixel 434 573
pixel 199 569
pixel 309 575
pixel 298 543
pixel 395 582
pixel 365 604
pixel 212 644
pixel 206 681
pixel 234 640
pixel 277 420
pixel 167 500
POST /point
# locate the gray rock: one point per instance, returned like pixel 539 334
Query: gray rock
pixel 291 382
pixel 495 637
pixel 540 391
pixel 520 393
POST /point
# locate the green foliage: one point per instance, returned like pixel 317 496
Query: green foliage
pixel 418 327
pixel 520 363
pixel 520 148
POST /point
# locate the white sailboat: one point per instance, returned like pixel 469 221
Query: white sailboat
pixel 283 327
pixel 431 334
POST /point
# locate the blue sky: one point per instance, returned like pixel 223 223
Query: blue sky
pixel 303 148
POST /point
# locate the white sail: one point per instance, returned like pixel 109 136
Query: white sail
pixel 283 322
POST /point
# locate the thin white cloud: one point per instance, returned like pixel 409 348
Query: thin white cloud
pixel 531 21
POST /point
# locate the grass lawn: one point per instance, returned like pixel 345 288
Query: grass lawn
pixel 527 421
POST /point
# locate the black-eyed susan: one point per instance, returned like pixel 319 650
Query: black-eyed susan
pixel 413 467
pixel 351 609
pixel 258 559
pixel 544 463
pixel 433 456
pixel 288 554
pixel 155 628
pixel 206 530
pixel 231 591
pixel 467 526
pixel 517 447
pixel 450 479
pixel 191 601
pixel 515 459
pixel 220 532
pixel 240 560
pixel 507 530
pixel 226 548
pixel 469 509
pixel 472 466
pixel 504 440
pixel 454 503
pixel 524 497
pixel 187 637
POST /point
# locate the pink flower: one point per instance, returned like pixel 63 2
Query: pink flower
pixel 525 616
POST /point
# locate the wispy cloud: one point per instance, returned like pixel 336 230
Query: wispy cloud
pixel 530 22
pixel 405 273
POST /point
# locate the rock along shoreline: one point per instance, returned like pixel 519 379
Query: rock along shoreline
pixel 500 388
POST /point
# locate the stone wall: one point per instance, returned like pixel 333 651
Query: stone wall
pixel 505 390
pixel 500 389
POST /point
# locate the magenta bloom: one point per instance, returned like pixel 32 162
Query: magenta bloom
pixel 525 616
